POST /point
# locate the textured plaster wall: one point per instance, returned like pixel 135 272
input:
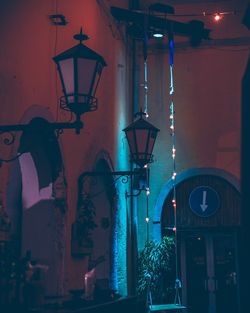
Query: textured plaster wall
pixel 28 77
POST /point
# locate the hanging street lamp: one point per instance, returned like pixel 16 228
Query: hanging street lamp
pixel 80 69
pixel 141 136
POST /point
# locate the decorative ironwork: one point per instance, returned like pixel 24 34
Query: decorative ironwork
pixel 139 178
pixel 123 175
pixel 124 179
pixel 36 125
pixel 90 103
pixel 8 140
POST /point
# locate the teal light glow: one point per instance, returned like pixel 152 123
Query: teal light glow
pixel 114 261
pixel 121 162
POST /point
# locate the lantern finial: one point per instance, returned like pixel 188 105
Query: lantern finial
pixel 81 36
pixel 140 113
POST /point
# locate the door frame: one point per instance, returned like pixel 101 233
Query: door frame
pixel 209 234
pixel 182 176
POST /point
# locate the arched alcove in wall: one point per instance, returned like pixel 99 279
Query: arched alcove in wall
pixel 105 219
pixel 96 211
pixel 36 202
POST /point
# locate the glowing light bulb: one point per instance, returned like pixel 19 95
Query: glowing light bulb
pixel 147 191
pixel 174 229
pixel 174 175
pixel 147 219
pixel 173 153
pixel 158 35
pixel 217 17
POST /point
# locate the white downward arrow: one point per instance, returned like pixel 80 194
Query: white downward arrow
pixel 204 198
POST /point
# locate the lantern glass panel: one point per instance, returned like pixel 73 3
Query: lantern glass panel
pixel 141 138
pixel 99 68
pixel 67 70
pixel 86 70
pixel 151 141
pixel 131 141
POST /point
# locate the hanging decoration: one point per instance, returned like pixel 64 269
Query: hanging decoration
pixel 178 285
pixel 177 299
pixel 145 85
pixel 145 56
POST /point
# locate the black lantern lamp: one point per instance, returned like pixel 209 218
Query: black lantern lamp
pixel 80 70
pixel 141 136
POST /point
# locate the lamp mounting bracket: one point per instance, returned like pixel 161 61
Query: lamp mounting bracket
pixel 139 177
pixel 32 127
pixel 37 125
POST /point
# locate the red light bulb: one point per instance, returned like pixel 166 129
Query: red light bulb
pixel 217 17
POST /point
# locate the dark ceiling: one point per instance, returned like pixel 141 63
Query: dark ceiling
pixel 140 22
pixel 192 19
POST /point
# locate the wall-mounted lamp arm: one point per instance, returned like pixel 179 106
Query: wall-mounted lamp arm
pixel 139 177
pixel 77 125
pixel 106 173
pixel 37 125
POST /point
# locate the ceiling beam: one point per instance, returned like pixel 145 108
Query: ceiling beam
pixel 191 29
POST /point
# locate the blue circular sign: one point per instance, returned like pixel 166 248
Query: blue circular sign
pixel 204 201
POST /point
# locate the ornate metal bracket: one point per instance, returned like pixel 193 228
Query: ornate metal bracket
pixel 139 177
pixel 8 138
pixel 7 132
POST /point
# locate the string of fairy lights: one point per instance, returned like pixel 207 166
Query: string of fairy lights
pixel 217 16
pixel 177 300
pixel 172 126
pixel 145 86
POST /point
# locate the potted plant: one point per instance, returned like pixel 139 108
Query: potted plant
pixel 156 263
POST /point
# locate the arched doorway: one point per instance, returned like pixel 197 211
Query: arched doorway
pixel 36 203
pixel 208 222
